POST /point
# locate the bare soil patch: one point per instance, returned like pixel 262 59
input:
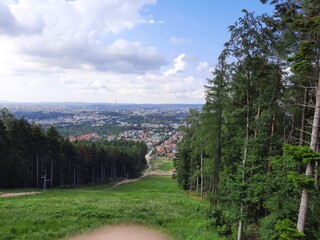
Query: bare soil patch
pixel 17 194
pixel 159 172
pixel 123 233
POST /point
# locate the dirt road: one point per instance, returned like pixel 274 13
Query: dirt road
pixel 145 173
pixel 17 194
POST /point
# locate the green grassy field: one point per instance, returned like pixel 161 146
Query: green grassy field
pixel 163 164
pixel 154 201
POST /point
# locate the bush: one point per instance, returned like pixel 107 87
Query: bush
pixel 287 230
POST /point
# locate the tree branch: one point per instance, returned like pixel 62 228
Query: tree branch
pixel 308 87
pixel 306 105
pixel 302 131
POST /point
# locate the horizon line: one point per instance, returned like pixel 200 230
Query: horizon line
pixel 80 102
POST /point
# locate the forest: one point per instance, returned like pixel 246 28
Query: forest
pixel 253 150
pixel 31 156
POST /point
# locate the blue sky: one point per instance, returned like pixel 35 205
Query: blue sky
pixel 204 23
pixel 129 51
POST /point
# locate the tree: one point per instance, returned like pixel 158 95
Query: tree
pixel 302 17
pixel 4 145
pixel 39 150
pixel 216 104
pixel 251 45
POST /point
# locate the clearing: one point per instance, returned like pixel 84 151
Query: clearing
pixel 154 202
pixel 161 166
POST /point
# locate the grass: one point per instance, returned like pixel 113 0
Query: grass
pixel 163 164
pixel 154 201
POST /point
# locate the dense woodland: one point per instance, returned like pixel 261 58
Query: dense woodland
pixel 28 154
pixel 253 149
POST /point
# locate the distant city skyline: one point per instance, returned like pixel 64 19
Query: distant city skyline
pixel 107 51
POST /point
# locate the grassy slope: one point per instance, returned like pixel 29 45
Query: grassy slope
pixel 154 201
pixel 163 164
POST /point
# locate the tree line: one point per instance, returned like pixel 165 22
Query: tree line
pixel 253 149
pixel 31 156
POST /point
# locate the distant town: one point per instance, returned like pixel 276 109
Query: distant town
pixel 156 125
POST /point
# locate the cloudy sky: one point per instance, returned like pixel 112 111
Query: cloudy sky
pixel 129 51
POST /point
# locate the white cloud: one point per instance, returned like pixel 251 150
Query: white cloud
pixel 71 34
pixel 154 87
pixel 203 66
pixel 179 65
pixel 92 86
pixel 10 25
pixel 73 51
pixel 189 79
pixel 175 40
pixel 151 21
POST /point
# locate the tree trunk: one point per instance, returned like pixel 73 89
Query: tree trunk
pixel 190 182
pixel 93 177
pixel 74 175
pixel 240 227
pixel 197 185
pixel 101 172
pixel 273 129
pixel 303 117
pixel 245 156
pixel 304 204
pixel 316 174
pixel 44 182
pixel 51 177
pixel 61 182
pixel 313 145
pixel 37 170
pixel 201 174
pixel 218 157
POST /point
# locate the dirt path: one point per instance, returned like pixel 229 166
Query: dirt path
pixel 159 172
pixel 122 233
pixel 17 194
pixel 146 172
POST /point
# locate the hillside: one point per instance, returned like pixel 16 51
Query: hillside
pixel 154 201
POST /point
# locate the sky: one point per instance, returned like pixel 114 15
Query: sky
pixel 125 51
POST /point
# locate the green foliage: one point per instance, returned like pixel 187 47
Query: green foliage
pixel 221 220
pixel 302 154
pixel 282 197
pixel 287 230
pixel 302 181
